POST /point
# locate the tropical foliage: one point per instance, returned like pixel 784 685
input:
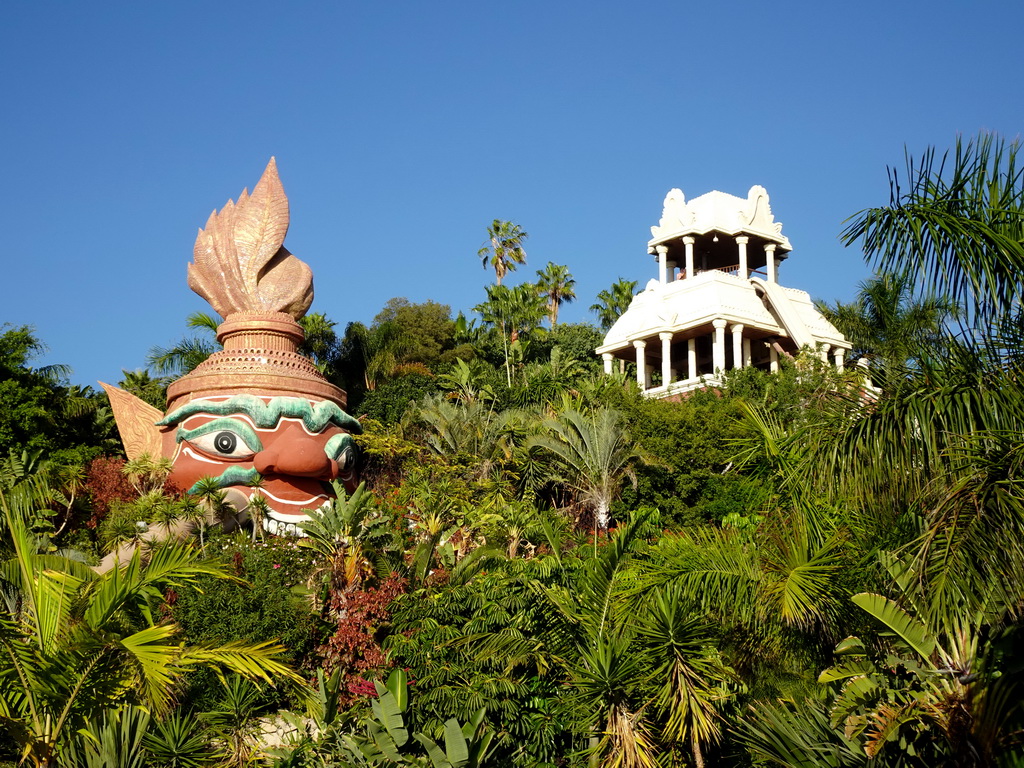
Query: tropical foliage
pixel 503 249
pixel 613 302
pixel 545 568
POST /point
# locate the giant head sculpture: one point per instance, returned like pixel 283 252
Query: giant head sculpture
pixel 257 408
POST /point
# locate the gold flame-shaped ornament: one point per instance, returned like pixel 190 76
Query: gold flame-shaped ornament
pixel 241 264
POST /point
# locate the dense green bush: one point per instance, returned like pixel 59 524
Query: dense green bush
pixel 392 397
pixel 266 603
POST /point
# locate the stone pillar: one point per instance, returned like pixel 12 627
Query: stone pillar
pixel 746 353
pixel 662 263
pixel 641 364
pixel 691 359
pixel 688 242
pixel 607 357
pixel 824 352
pixel 769 257
pixel 718 354
pixel 666 358
pixel 773 358
pixel 840 359
pixel 742 241
pixel 737 346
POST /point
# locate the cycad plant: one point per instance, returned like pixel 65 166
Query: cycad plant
pixel 592 454
pixel 179 740
pixel 84 643
pixel 351 538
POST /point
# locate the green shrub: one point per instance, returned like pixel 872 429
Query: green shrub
pixel 266 607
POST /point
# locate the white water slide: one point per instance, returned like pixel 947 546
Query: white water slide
pixel 785 312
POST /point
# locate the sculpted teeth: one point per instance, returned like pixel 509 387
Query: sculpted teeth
pixel 307 504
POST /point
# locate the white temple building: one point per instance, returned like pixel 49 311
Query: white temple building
pixel 717 303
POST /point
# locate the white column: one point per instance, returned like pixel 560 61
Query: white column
pixel 641 364
pixel 840 359
pixel 688 242
pixel 742 241
pixel 773 358
pixel 737 346
pixel 607 357
pixel 718 354
pixel 769 257
pixel 746 353
pixel 662 263
pixel 691 359
pixel 666 358
pixel 824 352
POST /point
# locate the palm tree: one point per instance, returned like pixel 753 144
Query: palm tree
pixel 467 382
pixel 192 512
pixel 503 248
pixel 513 311
pixel 145 387
pixel 188 353
pixel 473 428
pixel 954 226
pixel 889 327
pixel 556 285
pixel 258 507
pixel 83 642
pixel 212 503
pixel 612 303
pixel 945 441
pixel 236 721
pixel 320 342
pixel 592 454
pixel 543 383
pixel 147 473
pixel 941 458
pixel 371 354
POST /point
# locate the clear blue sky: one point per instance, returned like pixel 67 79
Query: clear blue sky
pixel 401 129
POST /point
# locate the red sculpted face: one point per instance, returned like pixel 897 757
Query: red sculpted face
pixel 297 446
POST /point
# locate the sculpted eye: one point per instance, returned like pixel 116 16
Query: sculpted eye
pixel 347 459
pixel 225 444
pixel 223 438
pixel 343 450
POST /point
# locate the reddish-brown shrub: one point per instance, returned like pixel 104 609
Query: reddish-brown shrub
pixel 355 646
pixel 106 483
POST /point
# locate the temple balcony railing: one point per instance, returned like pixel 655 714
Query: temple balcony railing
pixel 731 269
pixel 684 385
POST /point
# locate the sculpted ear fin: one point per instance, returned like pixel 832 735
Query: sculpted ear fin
pixel 136 422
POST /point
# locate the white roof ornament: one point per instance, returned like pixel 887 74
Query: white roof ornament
pixel 719 212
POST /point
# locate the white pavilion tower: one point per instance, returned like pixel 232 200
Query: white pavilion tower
pixel 717 303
